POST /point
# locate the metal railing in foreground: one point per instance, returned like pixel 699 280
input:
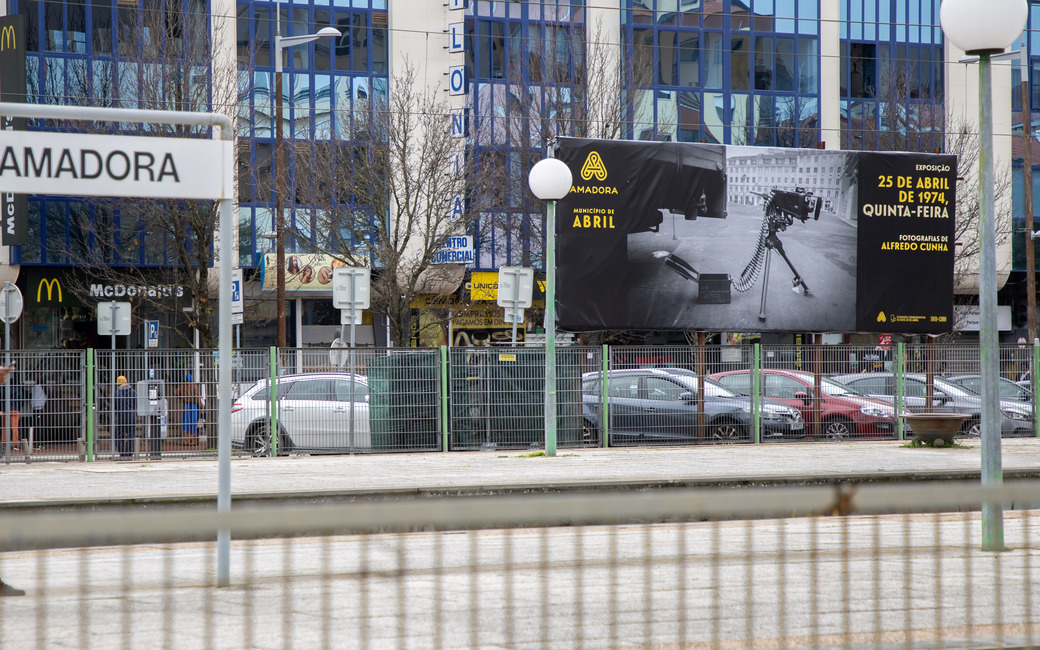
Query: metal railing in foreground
pixel 894 565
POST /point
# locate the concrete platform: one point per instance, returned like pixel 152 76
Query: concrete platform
pixel 78 484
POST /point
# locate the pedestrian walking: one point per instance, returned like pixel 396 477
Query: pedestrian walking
pixel 125 428
pixel 6 589
pixel 189 400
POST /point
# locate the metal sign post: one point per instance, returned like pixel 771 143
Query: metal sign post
pixel 213 164
pixel 113 318
pixel 10 310
pixel 515 288
pixel 350 294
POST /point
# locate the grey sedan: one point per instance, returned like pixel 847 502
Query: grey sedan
pixel 946 397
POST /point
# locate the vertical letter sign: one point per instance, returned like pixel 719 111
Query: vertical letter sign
pixel 457 80
pixel 12 89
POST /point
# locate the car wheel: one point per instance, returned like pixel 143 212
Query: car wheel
pixel 838 429
pixel 726 431
pixel 260 441
pixel 589 434
pixel 972 428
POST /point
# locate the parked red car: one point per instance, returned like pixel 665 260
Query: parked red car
pixel 844 413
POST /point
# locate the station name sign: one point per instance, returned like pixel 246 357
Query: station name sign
pixel 108 165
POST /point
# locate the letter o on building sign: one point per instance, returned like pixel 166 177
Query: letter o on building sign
pixel 457 80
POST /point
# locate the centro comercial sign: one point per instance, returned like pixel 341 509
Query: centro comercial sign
pixel 35 162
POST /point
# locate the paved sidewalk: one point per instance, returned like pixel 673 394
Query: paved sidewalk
pixel 469 472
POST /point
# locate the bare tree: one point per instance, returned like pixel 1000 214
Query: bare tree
pixel 563 82
pixel 389 185
pixel 156 248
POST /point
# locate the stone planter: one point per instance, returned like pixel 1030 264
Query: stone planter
pixel 936 428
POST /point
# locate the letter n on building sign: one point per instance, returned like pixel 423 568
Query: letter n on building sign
pixel 458 122
pixel 458 208
pixel 457 80
pixel 456 38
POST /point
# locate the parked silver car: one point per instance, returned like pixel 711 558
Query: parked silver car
pixel 946 397
pixel 660 406
pixel 314 414
pixel 1009 390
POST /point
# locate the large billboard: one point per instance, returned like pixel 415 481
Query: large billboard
pixel 683 236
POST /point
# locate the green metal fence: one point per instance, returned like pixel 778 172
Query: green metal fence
pixel 385 400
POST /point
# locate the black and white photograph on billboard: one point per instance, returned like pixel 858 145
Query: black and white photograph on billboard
pixel 783 258
pixel 682 236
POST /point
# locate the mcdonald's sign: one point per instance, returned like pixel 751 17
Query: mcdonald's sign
pixel 8 38
pixel 52 285
pixel 14 226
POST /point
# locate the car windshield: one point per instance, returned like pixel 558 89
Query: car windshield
pixel 714 388
pixel 1008 389
pixel 829 386
pixel 686 378
pixel 952 388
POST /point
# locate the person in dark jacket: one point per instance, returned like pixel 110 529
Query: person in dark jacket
pixel 126 417
pixel 6 589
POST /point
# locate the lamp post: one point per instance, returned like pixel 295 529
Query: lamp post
pixel 550 180
pixel 281 43
pixel 984 31
pixel 1027 194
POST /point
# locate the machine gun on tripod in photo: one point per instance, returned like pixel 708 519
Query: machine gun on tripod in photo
pixel 781 209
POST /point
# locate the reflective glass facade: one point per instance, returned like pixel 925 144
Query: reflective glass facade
pixel 891 75
pixel 729 72
pixel 319 80
pixel 106 53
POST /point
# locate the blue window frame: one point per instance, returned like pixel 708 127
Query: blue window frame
pixel 891 83
pixel 97 53
pixel 729 72
pixel 320 80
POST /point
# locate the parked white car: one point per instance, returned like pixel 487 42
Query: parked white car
pixel 314 414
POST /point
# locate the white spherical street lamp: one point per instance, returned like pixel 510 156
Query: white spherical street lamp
pixel 979 28
pixel 550 180
pixel 985 29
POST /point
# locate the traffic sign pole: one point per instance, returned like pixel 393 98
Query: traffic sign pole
pixel 516 301
pixel 7 362
pixel 112 377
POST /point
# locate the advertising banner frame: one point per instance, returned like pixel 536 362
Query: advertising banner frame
pixel 692 236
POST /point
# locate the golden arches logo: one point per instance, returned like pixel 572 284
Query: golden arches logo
pixel 51 285
pixel 594 168
pixel 7 38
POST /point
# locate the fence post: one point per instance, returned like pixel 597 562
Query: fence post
pixel 444 398
pixel 756 391
pixel 899 390
pixel 604 404
pixel 90 405
pixel 272 397
pixel 1033 379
